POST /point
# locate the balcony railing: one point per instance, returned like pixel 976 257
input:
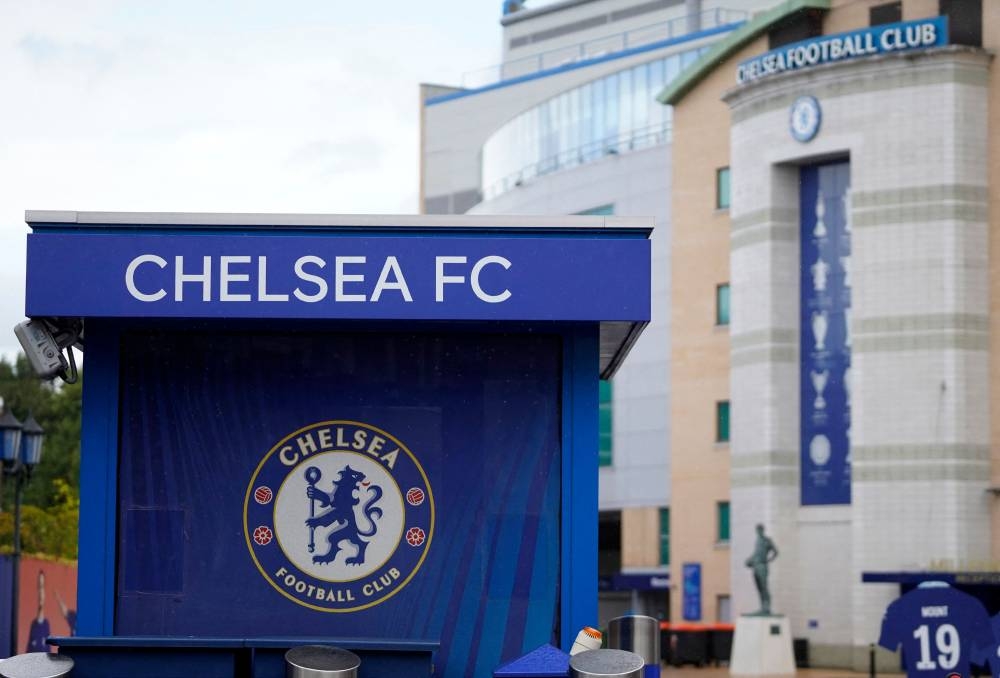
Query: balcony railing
pixel 603 46
pixel 647 137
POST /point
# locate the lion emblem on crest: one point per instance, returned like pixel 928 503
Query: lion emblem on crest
pixel 348 490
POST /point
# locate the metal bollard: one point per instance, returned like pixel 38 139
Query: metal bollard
pixel 36 665
pixel 606 664
pixel 639 634
pixel 320 661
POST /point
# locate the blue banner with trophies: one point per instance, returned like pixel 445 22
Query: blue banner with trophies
pixel 691 602
pixel 402 486
pixel 825 334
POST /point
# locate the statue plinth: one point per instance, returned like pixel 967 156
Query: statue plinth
pixel 762 646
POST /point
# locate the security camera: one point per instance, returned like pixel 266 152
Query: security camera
pixel 43 340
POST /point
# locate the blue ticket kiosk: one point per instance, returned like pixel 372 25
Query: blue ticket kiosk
pixel 374 431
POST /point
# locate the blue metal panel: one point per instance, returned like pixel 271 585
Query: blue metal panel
pixel 580 472
pixel 98 482
pixel 6 589
pixel 388 278
pixel 914 578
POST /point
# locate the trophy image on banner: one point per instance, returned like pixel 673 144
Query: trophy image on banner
pixel 819 272
pixel 819 327
pixel 820 230
pixel 819 450
pixel 819 383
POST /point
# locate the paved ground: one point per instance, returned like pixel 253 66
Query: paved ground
pixel 692 672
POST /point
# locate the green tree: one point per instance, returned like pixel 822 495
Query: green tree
pixel 57 409
pixel 49 532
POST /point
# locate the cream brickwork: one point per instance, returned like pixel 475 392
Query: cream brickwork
pixel 919 290
pixel 991 40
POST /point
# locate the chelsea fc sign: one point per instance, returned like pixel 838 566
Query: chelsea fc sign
pixel 338 516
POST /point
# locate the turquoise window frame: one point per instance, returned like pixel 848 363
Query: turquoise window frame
pixel 665 536
pixel 722 421
pixel 603 210
pixel 722 522
pixel 606 425
pixel 722 188
pixel 722 304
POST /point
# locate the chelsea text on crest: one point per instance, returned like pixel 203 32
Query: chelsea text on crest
pixel 337 439
pixel 242 278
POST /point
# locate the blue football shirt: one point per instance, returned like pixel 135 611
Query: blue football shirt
pixel 941 630
pixel 995 651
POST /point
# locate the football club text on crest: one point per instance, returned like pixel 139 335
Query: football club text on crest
pixel 338 516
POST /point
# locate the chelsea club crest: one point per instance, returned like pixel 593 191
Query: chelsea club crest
pixel 338 516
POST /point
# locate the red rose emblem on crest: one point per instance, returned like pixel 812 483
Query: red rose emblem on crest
pixel 415 536
pixel 263 535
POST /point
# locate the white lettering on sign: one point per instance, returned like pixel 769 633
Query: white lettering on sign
pixel 892 38
pixel 934 611
pixel 133 266
pixel 478 268
pixel 239 278
pixel 441 279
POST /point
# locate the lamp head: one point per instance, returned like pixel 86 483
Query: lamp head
pixel 31 442
pixel 10 438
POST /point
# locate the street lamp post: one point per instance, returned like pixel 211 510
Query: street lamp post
pixel 20 450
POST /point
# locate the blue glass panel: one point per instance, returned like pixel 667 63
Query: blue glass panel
pixel 625 104
pixel 611 111
pixel 640 98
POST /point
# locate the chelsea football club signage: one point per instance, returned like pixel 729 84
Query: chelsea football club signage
pixel 338 516
pixel 455 278
pixel 897 37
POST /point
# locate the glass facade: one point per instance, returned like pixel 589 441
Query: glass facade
pixel 615 114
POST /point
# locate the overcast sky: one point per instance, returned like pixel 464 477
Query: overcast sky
pixel 209 105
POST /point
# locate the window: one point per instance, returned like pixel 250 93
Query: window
pixel 965 21
pixel 722 421
pixel 723 609
pixel 801 25
pixel 609 543
pixel 722 522
pixel 722 304
pixel 889 13
pixel 664 536
pixel 604 449
pixel 722 188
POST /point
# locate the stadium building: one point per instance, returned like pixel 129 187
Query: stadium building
pixel 568 123
pixel 837 167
